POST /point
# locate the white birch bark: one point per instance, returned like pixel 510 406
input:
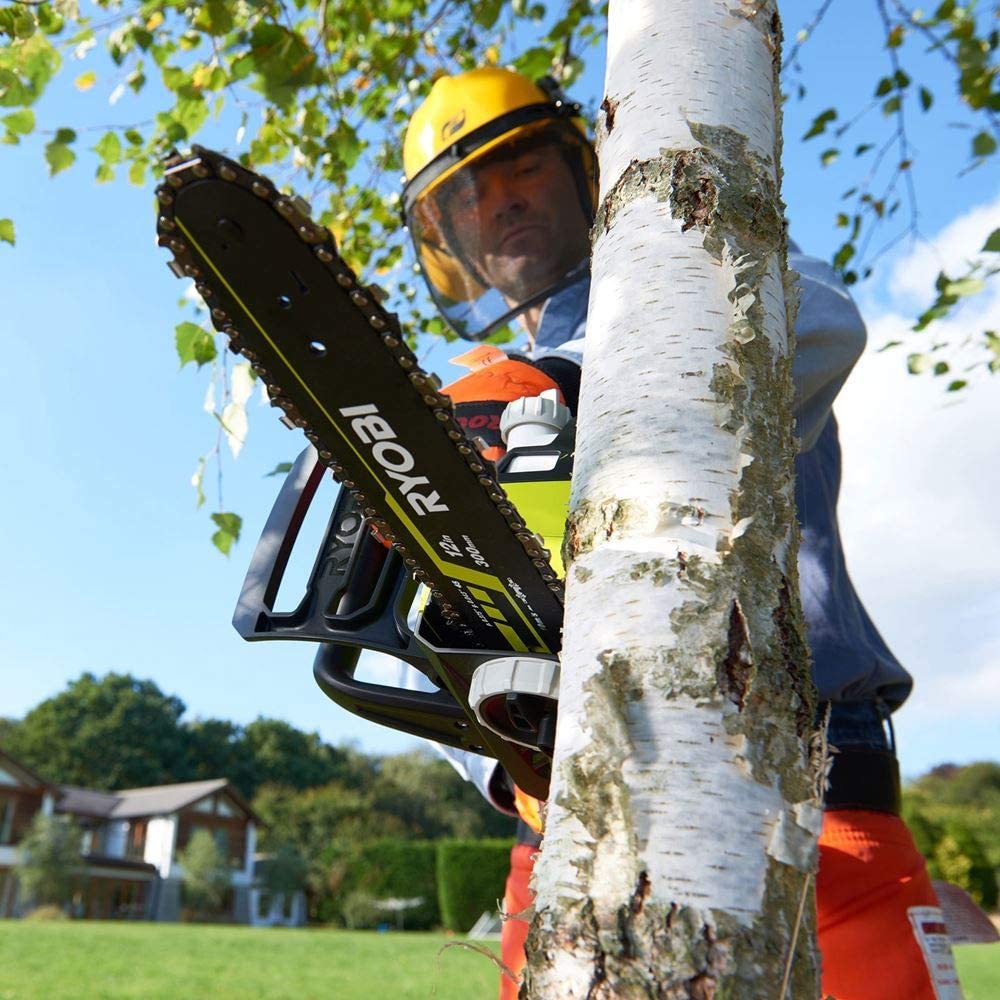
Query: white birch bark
pixel 680 831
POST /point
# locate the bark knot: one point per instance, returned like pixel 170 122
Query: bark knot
pixel 701 987
pixel 609 107
pixel 736 671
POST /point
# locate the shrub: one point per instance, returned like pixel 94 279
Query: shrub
pixel 49 858
pixel 471 876
pixel 390 869
pixel 358 911
pixel 49 911
pixel 206 874
pixel 960 858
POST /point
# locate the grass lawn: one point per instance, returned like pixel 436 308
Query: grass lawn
pixel 80 960
pixel 978 969
pixel 84 960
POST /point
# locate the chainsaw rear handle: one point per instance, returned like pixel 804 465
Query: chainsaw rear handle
pixel 431 715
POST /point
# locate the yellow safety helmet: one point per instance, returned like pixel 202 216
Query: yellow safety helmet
pixel 467 120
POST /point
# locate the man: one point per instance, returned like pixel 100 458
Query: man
pixel 499 199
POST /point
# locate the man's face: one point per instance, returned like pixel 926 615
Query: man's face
pixel 519 220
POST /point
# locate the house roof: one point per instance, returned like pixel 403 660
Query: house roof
pixel 155 800
pixel 23 774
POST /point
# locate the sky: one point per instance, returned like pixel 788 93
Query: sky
pixel 107 563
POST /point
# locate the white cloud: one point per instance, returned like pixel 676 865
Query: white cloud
pixel 911 278
pixel 918 509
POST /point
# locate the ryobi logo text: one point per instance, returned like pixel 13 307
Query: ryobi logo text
pixel 395 460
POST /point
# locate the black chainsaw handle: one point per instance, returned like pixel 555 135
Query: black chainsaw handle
pixel 358 593
pixel 431 715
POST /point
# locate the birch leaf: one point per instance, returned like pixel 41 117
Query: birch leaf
pixel 194 343
pixel 241 383
pixel 235 426
pixel 198 482
pixel 229 525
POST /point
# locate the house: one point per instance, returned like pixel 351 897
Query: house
pixel 131 841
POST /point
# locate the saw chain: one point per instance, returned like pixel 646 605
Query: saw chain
pixel 338 365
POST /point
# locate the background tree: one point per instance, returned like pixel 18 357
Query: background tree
pixel 954 813
pixel 206 874
pixel 111 732
pixel 48 860
pixel 283 872
pixel 320 95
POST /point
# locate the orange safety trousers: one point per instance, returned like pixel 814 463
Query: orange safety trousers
pixel 870 876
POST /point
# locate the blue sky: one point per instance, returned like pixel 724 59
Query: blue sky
pixel 108 564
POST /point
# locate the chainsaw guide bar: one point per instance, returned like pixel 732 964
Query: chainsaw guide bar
pixel 338 366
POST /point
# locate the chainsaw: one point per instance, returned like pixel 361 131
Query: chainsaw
pixel 426 556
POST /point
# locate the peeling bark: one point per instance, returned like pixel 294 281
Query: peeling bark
pixel 681 829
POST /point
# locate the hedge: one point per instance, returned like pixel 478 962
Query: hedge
pixel 391 869
pixel 470 879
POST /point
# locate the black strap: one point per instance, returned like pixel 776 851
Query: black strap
pixel 864 779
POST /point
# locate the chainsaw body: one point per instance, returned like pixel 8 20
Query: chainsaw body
pixel 427 556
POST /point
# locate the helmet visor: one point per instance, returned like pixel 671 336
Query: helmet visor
pixel 499 231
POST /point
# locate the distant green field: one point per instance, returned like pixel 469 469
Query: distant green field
pixel 979 970
pixel 94 959
pixel 84 960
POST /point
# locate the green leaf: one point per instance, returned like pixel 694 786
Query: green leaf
pixel 964 287
pixel 820 122
pixel 916 364
pixel 229 525
pixel 281 469
pixel 892 105
pixel 843 255
pixel 7 231
pixel 941 368
pixel 884 86
pixel 109 148
pixel 828 156
pixel 901 79
pixel 956 384
pixel 896 36
pixel 58 155
pixel 194 343
pixel 137 173
pixel 214 18
pixel 20 122
pixel 992 244
pixel 983 144
pixel 926 99
pixel 863 148
pixel 888 345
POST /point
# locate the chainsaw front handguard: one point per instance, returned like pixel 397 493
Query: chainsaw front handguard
pixel 359 596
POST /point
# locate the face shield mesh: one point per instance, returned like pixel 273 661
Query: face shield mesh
pixel 499 231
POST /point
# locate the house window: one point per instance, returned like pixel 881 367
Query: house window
pixel 136 840
pixel 6 820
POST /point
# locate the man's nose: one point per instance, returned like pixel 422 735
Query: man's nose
pixel 503 196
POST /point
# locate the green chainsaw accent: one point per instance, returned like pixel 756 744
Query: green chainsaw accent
pixel 544 506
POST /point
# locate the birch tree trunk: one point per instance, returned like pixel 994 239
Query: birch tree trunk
pixel 681 828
